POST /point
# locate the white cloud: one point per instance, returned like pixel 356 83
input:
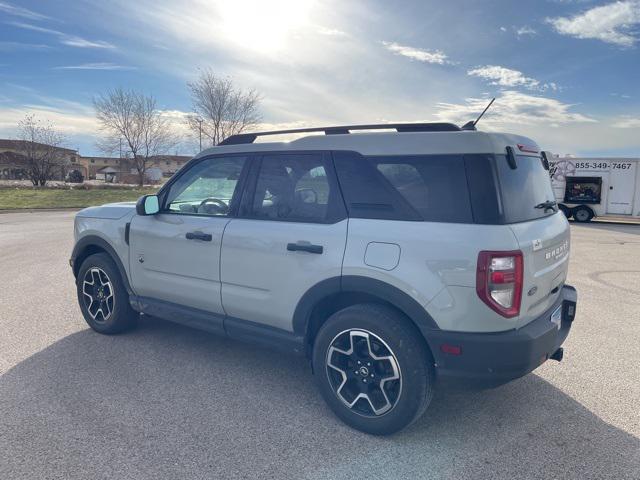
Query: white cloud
pixel 65 39
pixel 428 56
pixel 525 30
pixel 503 29
pixel 331 32
pixel 79 42
pixel 20 12
pixel 612 23
pixel 627 122
pixel 95 66
pixel 18 46
pixel 507 77
pixel 512 108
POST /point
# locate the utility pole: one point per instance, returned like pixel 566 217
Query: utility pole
pixel 199 120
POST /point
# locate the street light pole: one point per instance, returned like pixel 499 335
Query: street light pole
pixel 200 130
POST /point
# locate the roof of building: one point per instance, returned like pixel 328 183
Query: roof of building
pixel 11 144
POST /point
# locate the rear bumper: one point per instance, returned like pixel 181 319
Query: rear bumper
pixel 503 356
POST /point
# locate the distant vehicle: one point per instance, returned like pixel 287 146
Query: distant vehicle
pixel 586 188
pixel 388 259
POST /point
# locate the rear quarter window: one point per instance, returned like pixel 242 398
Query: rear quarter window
pixel 405 187
pixel 435 186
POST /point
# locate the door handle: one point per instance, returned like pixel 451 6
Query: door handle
pixel 205 237
pixel 304 247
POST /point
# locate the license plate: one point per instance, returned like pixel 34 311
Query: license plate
pixel 556 317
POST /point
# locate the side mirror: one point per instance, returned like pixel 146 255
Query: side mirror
pixel 147 205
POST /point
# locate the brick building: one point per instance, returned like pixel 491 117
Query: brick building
pixel 123 170
pixel 15 166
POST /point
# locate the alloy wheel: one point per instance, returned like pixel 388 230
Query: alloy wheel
pixel 364 372
pixel 98 294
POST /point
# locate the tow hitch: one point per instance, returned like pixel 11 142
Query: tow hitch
pixel 557 355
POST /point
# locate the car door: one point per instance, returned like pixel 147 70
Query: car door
pixel 175 254
pixel 290 235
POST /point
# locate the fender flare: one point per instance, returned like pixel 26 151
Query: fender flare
pixel 96 241
pixel 359 284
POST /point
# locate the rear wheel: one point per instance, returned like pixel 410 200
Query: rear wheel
pixel 103 299
pixel 373 368
pixel 582 214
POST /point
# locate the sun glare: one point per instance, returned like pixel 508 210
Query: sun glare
pixel 264 26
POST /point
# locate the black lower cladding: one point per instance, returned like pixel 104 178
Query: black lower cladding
pixel 220 324
pixel 504 356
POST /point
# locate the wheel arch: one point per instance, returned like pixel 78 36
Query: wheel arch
pixel 92 244
pixel 333 294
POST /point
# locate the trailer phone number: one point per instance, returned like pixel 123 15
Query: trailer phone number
pixel 603 165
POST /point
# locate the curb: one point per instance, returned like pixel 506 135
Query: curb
pixel 37 210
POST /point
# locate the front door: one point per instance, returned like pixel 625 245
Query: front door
pixel 175 254
pixel 291 236
pixel 621 188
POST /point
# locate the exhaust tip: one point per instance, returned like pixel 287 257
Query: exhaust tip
pixel 557 355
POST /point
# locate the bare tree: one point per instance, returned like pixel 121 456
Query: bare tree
pixel 42 149
pixel 133 118
pixel 220 108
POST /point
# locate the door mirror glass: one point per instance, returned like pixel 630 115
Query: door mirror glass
pixel 148 205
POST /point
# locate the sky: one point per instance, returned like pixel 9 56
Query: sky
pixel 566 73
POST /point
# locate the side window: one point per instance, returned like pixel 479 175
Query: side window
pixel 207 188
pixel 434 185
pixel 293 187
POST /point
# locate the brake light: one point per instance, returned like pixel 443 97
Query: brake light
pixel 527 148
pixel 499 281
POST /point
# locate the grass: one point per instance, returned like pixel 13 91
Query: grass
pixel 11 198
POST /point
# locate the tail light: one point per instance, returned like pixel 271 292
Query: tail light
pixel 499 281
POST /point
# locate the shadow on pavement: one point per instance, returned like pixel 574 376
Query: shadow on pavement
pixel 165 401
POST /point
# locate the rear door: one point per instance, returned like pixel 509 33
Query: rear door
pixel 291 235
pixel 621 188
pixel 541 230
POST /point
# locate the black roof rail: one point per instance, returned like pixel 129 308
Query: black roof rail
pixel 243 138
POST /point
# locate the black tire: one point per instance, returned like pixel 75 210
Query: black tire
pixel 568 212
pixel 582 214
pixel 104 314
pixel 385 331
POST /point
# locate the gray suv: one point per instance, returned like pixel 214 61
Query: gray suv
pixel 389 259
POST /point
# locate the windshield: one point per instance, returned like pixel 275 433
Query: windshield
pixel 525 191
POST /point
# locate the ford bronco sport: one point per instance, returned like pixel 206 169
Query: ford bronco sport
pixel 389 259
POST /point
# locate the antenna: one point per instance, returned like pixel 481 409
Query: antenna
pixel 471 125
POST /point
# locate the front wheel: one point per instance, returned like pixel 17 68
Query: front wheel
pixel 373 368
pixel 103 299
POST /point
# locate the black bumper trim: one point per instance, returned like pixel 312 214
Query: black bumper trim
pixel 504 356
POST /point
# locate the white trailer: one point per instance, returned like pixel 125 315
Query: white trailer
pixel 596 187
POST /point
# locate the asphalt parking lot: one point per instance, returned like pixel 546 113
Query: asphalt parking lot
pixel 168 402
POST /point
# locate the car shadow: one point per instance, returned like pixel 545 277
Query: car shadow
pixel 165 401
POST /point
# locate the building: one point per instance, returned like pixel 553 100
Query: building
pixel 14 164
pixel 123 170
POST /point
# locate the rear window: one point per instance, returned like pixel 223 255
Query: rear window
pixel 524 190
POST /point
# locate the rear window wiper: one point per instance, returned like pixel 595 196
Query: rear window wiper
pixel 549 204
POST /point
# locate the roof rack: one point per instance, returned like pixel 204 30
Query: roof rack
pixel 242 138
